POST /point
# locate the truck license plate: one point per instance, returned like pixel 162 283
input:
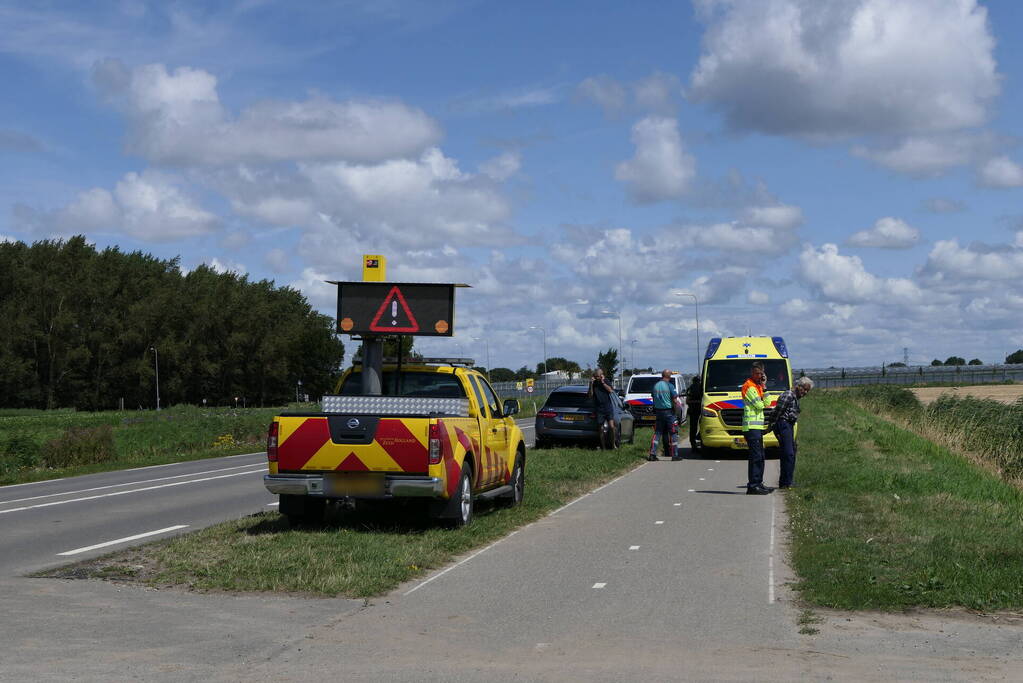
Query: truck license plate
pixel 354 485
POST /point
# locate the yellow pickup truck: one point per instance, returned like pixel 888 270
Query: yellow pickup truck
pixel 438 432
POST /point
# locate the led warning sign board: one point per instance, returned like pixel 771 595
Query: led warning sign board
pixel 366 308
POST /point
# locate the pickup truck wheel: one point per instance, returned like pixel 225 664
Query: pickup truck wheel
pixel 460 507
pixel 518 484
pixel 302 510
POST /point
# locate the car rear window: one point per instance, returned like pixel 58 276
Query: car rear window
pixel 422 384
pixel 568 399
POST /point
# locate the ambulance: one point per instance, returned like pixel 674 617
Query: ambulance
pixel 726 366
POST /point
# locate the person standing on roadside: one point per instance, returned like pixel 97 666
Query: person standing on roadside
pixel 665 395
pixel 694 406
pixel 753 426
pixel 600 393
pixel 786 413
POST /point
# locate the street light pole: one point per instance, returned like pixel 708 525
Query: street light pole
pixel 156 356
pixel 697 303
pixel 544 332
pixel 486 345
pixel 632 344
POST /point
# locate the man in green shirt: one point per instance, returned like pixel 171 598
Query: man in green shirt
pixel 664 395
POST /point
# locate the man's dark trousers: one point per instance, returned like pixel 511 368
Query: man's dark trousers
pixel 755 470
pixel 665 423
pixel 694 427
pixel 783 430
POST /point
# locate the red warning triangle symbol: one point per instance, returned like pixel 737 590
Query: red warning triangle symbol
pixel 394 315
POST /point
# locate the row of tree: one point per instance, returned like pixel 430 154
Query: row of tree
pixel 1016 357
pixel 88 329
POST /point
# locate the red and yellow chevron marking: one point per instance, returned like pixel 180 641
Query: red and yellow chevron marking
pixel 305 445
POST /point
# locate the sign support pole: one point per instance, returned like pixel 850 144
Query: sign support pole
pixel 374 269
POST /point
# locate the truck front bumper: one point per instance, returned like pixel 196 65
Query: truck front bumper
pixel 316 485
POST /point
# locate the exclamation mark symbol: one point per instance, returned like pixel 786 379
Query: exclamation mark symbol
pixel 394 313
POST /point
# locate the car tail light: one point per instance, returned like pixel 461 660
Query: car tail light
pixel 707 412
pixel 547 413
pixel 271 442
pixel 435 452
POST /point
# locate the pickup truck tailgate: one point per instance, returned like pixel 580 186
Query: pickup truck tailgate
pixel 353 443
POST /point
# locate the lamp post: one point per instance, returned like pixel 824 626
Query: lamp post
pixel 697 304
pixel 621 352
pixel 486 345
pixel 633 345
pixel 156 357
pixel 544 332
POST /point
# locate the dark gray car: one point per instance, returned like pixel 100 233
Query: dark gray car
pixel 568 416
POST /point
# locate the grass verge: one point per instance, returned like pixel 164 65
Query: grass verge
pixel 886 519
pixel 353 554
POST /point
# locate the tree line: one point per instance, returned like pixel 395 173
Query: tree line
pixel 87 329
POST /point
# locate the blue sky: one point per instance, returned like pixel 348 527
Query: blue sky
pixel 845 173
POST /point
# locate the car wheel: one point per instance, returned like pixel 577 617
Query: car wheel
pixel 461 503
pixel 518 484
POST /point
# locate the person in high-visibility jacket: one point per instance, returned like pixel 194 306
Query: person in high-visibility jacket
pixel 753 426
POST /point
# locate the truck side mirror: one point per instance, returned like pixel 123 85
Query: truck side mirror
pixel 511 406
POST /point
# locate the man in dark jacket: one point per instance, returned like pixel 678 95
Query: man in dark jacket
pixel 783 424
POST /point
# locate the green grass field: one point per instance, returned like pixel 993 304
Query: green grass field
pixel 37 445
pixel 353 554
pixel 886 519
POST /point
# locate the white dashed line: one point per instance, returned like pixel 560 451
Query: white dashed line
pixel 124 540
pixel 692 490
pixel 710 469
pixel 678 505
pixel 703 478
pixel 599 585
pixel 660 521
pixel 270 505
pixel 633 547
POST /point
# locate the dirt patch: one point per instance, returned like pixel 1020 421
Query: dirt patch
pixel 1003 393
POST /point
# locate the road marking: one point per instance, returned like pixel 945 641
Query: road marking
pixel 717 461
pixel 599 585
pixel 121 493
pixel 710 469
pixel 703 478
pixel 692 490
pixel 660 521
pixel 127 483
pixel 770 560
pixel 270 505
pixel 678 505
pixel 551 514
pixel 633 547
pixel 123 540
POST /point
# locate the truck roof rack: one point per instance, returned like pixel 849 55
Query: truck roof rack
pixel 466 362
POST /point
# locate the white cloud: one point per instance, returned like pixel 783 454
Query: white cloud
pixel 951 266
pixel 177 118
pixel 832 69
pixel 277 260
pixel 782 216
pixel 149 206
pixel 661 168
pixel 930 155
pixel 605 91
pixel 503 166
pixel 659 93
pixel 758 298
pixel 843 279
pixel 1001 172
pixel 226 267
pixel 1019 240
pixel 887 233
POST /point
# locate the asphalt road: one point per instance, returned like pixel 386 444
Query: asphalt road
pixel 667 573
pixel 50 523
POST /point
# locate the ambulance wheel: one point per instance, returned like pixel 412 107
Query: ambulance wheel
pixel 460 507
pixel 302 510
pixel 518 484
